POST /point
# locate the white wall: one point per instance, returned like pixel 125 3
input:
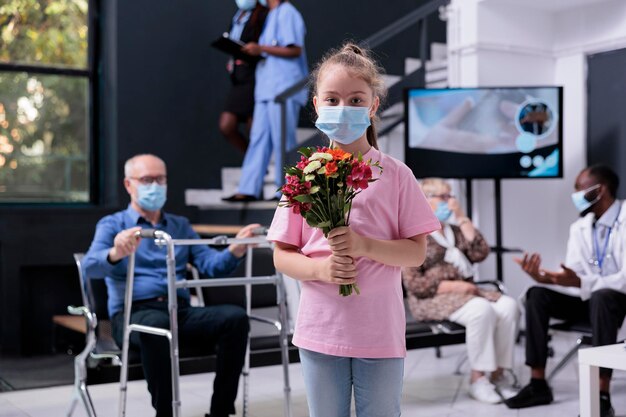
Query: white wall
pixel 496 43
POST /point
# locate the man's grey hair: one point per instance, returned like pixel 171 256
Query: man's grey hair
pixel 130 163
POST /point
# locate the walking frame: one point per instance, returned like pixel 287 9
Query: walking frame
pixel 163 239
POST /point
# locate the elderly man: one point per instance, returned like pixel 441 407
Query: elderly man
pixel 224 327
pixel 591 283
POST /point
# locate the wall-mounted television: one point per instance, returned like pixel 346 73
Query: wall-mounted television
pixel 495 132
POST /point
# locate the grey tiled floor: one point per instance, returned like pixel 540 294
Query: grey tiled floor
pixel 430 389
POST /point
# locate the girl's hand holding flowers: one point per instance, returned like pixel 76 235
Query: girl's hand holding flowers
pixel 338 270
pixel 321 187
pixel 344 241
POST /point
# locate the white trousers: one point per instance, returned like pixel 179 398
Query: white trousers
pixel 490 332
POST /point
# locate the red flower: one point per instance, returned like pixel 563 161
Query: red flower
pixel 360 176
pixel 303 162
pixel 331 168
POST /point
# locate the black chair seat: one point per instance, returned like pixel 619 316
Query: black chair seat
pixel 583 327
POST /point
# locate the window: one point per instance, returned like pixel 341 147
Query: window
pixel 46 84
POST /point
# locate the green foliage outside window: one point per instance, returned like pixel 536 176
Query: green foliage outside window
pixel 44 118
pixel 47 32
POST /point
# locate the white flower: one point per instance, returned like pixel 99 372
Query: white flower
pixel 314 189
pixel 321 155
pixel 312 167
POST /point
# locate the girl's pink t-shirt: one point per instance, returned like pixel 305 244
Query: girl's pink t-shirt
pixel 372 324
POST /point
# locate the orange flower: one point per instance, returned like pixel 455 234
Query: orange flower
pixel 331 168
pixel 339 154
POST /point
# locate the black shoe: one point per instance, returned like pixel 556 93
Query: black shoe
pixel 530 396
pixel 240 198
pixel 606 410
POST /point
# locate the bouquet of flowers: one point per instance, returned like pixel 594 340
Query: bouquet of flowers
pixel 321 187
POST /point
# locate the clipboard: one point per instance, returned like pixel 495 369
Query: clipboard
pixel 233 47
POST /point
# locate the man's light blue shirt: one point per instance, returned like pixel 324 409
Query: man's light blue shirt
pixel 150 265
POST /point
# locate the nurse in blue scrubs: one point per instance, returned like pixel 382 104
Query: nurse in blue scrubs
pixel 282 45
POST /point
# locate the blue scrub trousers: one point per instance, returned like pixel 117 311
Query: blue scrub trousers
pixel 265 138
pixel 329 381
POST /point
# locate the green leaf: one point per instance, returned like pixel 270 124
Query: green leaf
pixel 304 198
pixel 311 221
pixel 306 151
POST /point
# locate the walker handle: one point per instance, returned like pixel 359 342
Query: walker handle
pixel 147 233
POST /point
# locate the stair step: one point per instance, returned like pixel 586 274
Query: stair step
pixel 212 199
pixel 391 79
pixel 394 110
pixel 411 65
pixel 438 84
pixel 436 65
pixel 304 133
pixel 435 76
pixel 232 175
pixel 438 51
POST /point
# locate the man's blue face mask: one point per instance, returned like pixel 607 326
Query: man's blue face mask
pixel 579 200
pixel 151 197
pixel 343 124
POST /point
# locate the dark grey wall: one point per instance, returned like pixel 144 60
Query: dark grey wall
pixel 606 128
pixel 161 91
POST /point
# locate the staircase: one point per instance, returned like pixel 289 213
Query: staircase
pixel 434 74
pixel 391 143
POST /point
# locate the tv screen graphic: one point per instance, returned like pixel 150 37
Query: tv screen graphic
pixel 503 132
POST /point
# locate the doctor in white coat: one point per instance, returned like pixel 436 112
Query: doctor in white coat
pixel 595 272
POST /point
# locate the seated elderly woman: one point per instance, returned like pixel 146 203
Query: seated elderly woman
pixel 442 288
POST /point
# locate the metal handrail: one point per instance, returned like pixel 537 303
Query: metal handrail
pixel 378 38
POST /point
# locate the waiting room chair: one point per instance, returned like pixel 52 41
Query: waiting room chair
pixel 583 329
pixel 446 332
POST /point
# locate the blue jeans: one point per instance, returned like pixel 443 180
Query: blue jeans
pixel 329 380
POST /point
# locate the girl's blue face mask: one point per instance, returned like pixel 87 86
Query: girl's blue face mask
pixel 443 212
pixel 579 200
pixel 151 197
pixel 343 124
pixel 246 4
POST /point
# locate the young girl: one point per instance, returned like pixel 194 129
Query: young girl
pixel 355 342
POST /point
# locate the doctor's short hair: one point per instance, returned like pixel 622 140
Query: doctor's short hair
pixel 606 176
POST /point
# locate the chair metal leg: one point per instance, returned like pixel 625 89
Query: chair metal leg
pixel 81 393
pixel 80 366
pixel 568 356
pixel 86 400
pixel 284 344
pixel 72 407
pixel 459 364
pixel 516 383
